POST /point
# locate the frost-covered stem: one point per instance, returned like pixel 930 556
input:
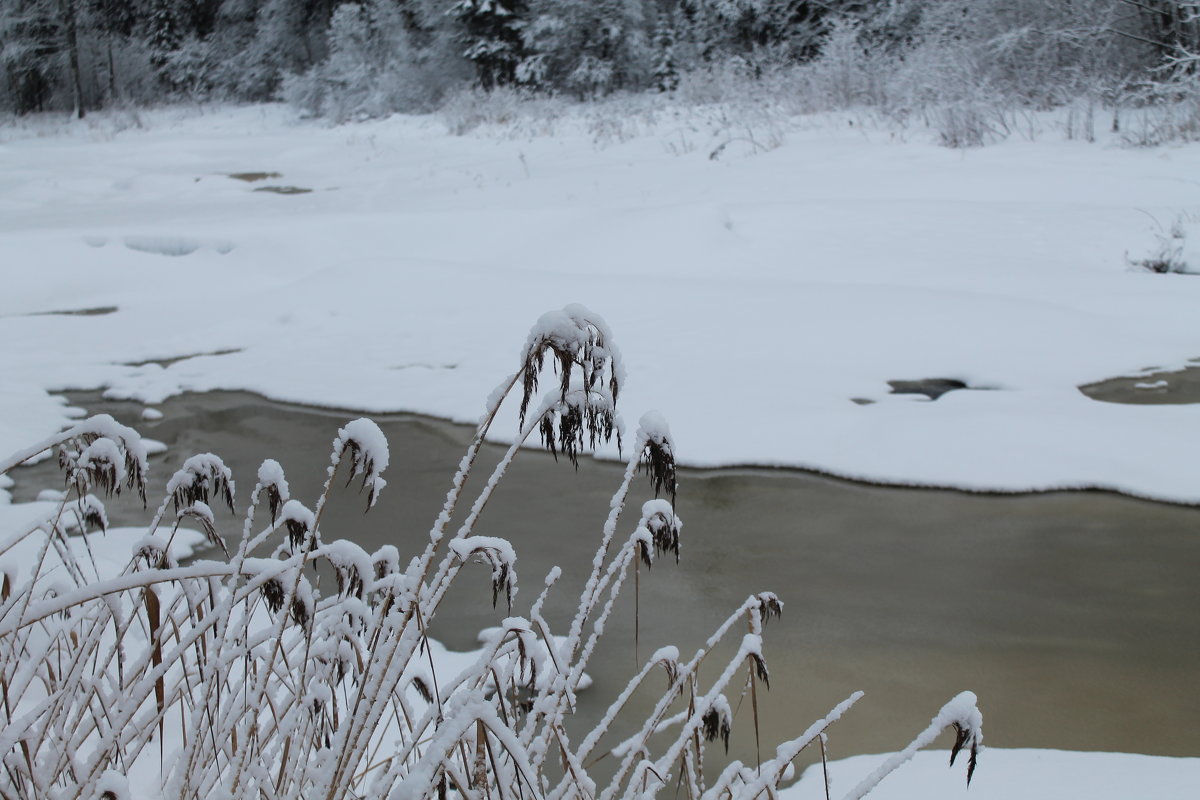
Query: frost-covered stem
pixel 133 697
pixel 684 675
pixel 17 538
pixel 218 674
pixel 21 456
pixel 564 686
pixel 433 593
pixel 438 532
pixel 383 670
pixel 575 769
pixel 83 651
pixel 41 558
pixel 260 688
pixel 593 737
pixel 84 594
pixel 962 707
pixel 771 773
pixel 593 588
pixel 750 644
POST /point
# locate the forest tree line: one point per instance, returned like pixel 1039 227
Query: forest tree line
pixel 365 57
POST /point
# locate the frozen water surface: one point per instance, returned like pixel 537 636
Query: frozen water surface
pixel 1070 614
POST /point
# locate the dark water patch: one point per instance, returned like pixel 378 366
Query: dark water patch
pixel 166 362
pixel 1071 615
pixel 1153 387
pixel 284 189
pixel 253 177
pixel 933 388
pixel 96 311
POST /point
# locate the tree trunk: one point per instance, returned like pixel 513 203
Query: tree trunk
pixel 67 8
pixel 112 73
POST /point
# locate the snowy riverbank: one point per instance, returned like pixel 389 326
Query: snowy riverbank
pixel 760 300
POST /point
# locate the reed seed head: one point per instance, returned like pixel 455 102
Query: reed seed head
pixel 273 594
pixel 201 478
pixel 126 456
pixel 658 454
pixel 92 514
pixel 274 485
pixel 969 736
pixel 664 525
pixel 367 448
pixel 718 722
pixel 576 338
pixel 759 665
pixel 298 521
pixel 770 606
pixel 203 515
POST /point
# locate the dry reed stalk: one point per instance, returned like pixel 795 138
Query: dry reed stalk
pixel 285 693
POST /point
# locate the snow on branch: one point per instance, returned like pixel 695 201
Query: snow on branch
pixel 576 338
pixel 129 458
pixel 963 715
pixel 368 449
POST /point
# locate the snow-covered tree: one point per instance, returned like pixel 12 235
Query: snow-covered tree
pixel 666 62
pixel 374 65
pixel 492 33
pixel 588 47
pixel 115 21
pixel 162 33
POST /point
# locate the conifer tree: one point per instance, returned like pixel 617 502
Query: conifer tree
pixel 492 32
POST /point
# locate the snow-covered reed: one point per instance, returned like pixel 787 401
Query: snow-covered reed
pixel 247 677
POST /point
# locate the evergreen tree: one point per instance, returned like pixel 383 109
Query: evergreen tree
pixel 115 21
pixel 666 72
pixel 588 47
pixel 162 35
pixel 492 31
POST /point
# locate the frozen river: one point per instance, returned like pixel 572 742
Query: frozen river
pixel 1071 614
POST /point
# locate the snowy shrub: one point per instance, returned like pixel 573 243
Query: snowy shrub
pixel 247 677
pixel 373 69
pixel 520 110
pixel 1168 252
pixel 846 73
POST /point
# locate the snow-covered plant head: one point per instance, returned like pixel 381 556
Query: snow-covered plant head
pixel 299 667
pixel 201 478
pixel 657 451
pixel 579 341
pixel 366 447
pixel 97 453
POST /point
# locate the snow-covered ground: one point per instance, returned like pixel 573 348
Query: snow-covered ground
pixel 1011 774
pixel 754 296
pixel 760 298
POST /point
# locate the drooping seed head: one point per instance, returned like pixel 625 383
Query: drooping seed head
pixel 664 525
pixel 129 459
pixel 274 485
pixel 658 454
pixel 201 477
pixel 367 448
pixel 582 418
pixel 203 515
pixel 717 721
pixel 577 339
pixel 92 514
pixel 298 521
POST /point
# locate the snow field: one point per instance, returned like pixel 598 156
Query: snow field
pixel 790 283
pixel 754 299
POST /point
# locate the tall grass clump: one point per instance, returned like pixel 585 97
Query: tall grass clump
pixel 295 666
